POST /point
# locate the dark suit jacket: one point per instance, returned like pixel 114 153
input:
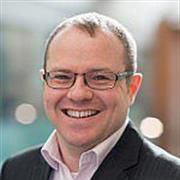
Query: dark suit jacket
pixel 132 158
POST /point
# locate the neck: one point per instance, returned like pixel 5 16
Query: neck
pixel 71 159
pixel 70 154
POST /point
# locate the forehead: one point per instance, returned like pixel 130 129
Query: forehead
pixel 75 48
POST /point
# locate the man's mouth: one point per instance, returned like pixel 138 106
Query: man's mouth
pixel 80 113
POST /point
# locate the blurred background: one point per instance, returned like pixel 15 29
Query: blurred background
pixel 25 26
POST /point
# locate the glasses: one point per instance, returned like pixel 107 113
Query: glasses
pixel 99 80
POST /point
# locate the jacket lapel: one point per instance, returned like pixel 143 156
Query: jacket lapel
pixel 41 171
pixel 122 157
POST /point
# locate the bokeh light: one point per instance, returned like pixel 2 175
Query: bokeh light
pixel 151 127
pixel 25 113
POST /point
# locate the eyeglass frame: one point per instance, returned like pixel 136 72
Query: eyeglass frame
pixel 118 77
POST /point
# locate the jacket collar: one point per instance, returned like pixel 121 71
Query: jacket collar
pixel 123 156
pixel 42 170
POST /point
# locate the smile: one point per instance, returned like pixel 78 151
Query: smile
pixel 80 114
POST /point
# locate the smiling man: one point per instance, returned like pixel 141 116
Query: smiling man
pixel 90 82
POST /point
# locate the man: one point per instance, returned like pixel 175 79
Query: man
pixel 90 81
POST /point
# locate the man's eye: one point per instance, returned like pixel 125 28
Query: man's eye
pixel 101 77
pixel 62 77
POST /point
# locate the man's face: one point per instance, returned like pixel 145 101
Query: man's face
pixel 74 50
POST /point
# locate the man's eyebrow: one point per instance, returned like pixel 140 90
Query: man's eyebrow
pixel 101 69
pixel 60 70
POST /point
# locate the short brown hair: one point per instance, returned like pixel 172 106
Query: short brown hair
pixel 90 22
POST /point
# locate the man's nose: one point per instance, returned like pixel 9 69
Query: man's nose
pixel 80 91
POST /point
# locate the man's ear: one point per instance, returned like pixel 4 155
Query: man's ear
pixel 41 74
pixel 134 86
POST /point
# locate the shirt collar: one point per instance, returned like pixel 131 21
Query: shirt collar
pixel 102 149
pixel 51 153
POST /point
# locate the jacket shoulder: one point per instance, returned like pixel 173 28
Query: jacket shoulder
pixel 157 162
pixel 158 153
pixel 28 155
pixel 19 165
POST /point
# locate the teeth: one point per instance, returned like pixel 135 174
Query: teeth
pixel 80 114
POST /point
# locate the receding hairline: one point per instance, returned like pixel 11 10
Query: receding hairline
pixel 89 23
pixel 92 34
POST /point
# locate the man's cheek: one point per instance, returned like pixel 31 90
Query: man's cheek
pixel 48 103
